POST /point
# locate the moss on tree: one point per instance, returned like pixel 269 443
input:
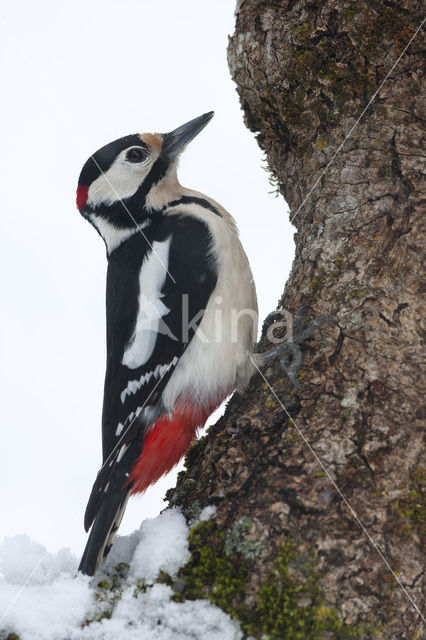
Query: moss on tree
pixel 285 607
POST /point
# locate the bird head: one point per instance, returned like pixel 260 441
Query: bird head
pixel 127 179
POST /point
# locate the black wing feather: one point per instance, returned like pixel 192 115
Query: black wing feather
pixel 191 278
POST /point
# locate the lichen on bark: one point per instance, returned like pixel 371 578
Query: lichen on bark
pixel 305 72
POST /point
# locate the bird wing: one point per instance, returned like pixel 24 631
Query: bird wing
pixel 175 281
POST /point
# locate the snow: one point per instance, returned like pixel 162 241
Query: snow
pixel 20 556
pixel 45 596
pixel 163 546
pixel 153 616
pixel 42 597
pixel 207 513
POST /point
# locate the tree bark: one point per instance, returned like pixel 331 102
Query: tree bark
pixel 305 72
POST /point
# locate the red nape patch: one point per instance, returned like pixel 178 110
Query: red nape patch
pixel 82 194
pixel 167 441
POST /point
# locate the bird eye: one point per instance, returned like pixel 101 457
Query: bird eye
pixel 137 154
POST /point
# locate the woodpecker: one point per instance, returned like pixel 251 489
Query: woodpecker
pixel 181 316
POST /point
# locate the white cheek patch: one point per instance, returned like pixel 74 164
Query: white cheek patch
pixel 152 277
pixel 119 182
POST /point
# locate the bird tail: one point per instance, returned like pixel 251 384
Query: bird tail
pixel 105 510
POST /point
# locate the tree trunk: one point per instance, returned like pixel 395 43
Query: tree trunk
pixel 285 553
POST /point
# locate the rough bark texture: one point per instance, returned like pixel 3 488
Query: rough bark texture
pixel 304 72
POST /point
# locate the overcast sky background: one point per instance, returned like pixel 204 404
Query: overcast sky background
pixel 75 76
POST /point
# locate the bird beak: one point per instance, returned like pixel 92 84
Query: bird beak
pixel 174 141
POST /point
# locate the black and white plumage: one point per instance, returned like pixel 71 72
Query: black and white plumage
pixel 181 316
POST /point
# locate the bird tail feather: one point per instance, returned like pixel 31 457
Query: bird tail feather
pixel 111 506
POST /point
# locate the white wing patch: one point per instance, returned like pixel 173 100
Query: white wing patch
pixel 135 385
pixel 152 277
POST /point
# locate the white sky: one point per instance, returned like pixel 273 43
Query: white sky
pixel 75 76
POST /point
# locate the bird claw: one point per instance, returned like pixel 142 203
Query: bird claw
pixel 300 335
pixel 290 362
pixel 289 352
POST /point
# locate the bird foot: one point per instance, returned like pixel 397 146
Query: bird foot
pixel 289 351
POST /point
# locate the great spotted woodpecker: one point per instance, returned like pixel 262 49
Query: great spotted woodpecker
pixel 181 316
